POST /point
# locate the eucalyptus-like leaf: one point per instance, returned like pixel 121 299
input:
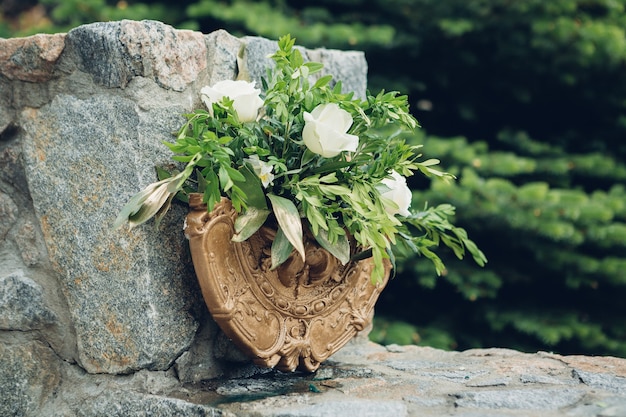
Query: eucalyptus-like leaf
pixel 281 249
pixel 289 221
pixel 152 205
pixel 249 222
pixel 339 249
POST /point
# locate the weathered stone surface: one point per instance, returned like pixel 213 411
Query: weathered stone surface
pixel 527 399
pixel 8 214
pixel 114 53
pixel 608 382
pixel 417 381
pixel 348 66
pixel 21 304
pixel 129 298
pixel 90 138
pixel 223 49
pixel 360 408
pixel 124 403
pixel 27 239
pixel 213 356
pixel 29 377
pixel 31 59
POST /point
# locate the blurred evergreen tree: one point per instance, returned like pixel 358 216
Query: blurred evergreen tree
pixel 525 102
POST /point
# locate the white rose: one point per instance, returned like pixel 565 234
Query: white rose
pixel 325 130
pixel 396 190
pixel 246 100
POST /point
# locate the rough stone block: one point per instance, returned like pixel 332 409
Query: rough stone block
pixel 29 376
pixel 124 403
pixel 21 304
pixel 129 292
pixel 116 52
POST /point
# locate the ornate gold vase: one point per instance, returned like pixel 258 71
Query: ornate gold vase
pixel 292 317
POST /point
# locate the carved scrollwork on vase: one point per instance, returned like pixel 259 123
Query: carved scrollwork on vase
pixel 292 317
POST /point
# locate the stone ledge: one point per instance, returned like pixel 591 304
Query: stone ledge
pixel 371 380
pixel 364 379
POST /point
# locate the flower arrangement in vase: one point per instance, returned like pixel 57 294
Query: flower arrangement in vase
pixel 301 177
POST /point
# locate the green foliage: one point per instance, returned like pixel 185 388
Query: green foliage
pixel 63 15
pixel 313 25
pixel 301 176
pixel 393 331
pixel 557 264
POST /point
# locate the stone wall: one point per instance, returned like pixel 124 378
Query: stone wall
pixel 97 322
pixel 82 118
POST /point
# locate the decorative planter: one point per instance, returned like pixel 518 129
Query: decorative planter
pixel 293 317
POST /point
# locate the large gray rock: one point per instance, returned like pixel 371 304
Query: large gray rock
pixel 129 293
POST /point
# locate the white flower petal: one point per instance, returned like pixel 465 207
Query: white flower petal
pixel 397 191
pixel 246 99
pixel 325 131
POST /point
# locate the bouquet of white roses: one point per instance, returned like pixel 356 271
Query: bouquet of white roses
pixel 302 154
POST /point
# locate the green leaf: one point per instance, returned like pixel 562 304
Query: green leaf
pixel 392 260
pixel 281 249
pixel 225 181
pixel 340 249
pixel 202 182
pixel 296 59
pixel 252 188
pixel 314 67
pixel 289 221
pixel 331 167
pixel 234 174
pixel 162 174
pixel 307 157
pixel 249 222
pixel 323 81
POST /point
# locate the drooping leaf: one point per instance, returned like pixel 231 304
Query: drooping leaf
pixel 152 200
pixel 281 248
pixel 289 221
pixel 249 222
pixel 163 210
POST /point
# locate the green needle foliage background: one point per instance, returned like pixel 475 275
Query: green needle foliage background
pixel 524 101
